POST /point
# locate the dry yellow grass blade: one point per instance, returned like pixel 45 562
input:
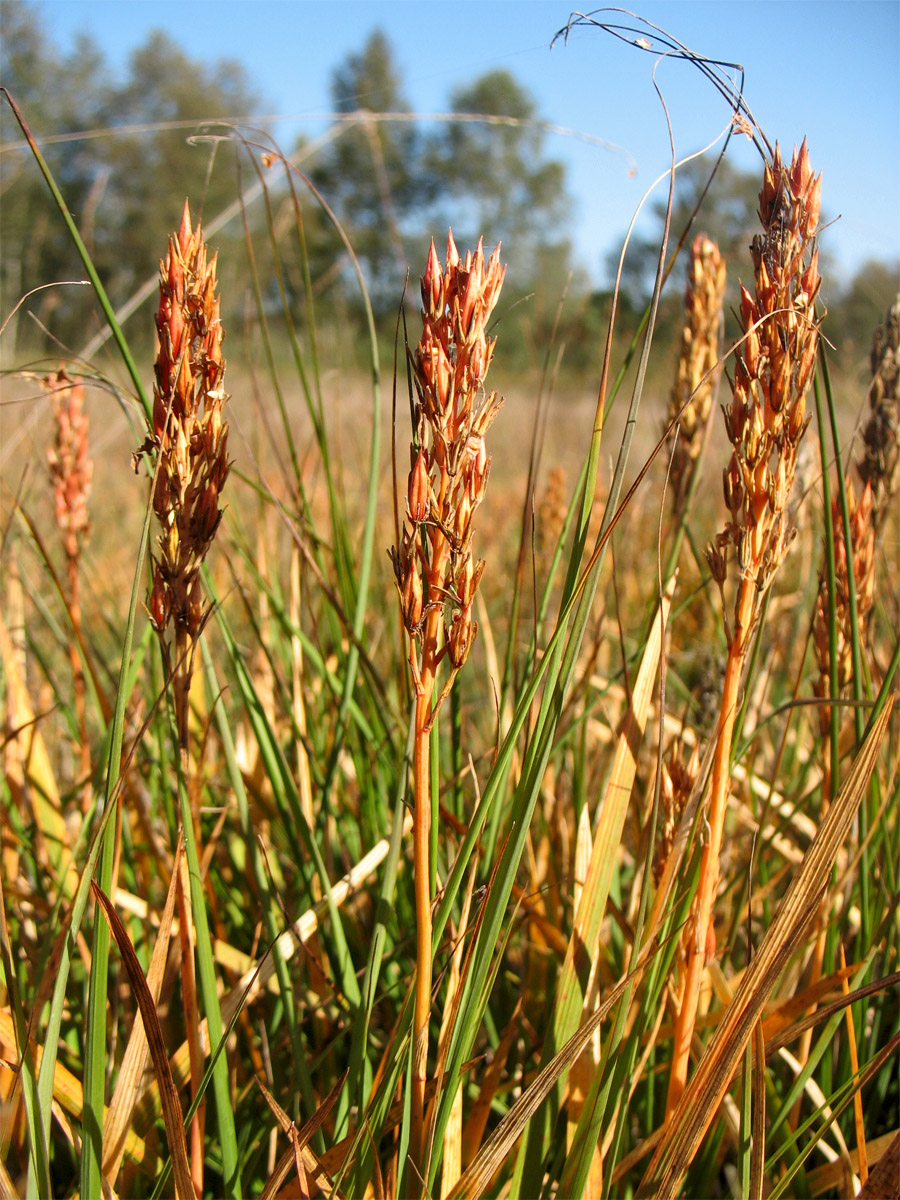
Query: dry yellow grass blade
pixel 298 1154
pixel 36 786
pixel 475 1125
pixel 7 1187
pixel 256 973
pixel 828 1177
pixel 697 1106
pixel 613 807
pixel 124 1098
pixel 171 1106
pixel 478 1175
pixel 67 1090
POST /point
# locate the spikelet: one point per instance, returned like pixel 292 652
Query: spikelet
pixel 879 466
pixel 188 437
pixel 766 419
pixel 695 379
pixel 71 468
pixel 434 566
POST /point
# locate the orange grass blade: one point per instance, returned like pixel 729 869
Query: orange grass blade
pixel 858 1122
pixel 474 1128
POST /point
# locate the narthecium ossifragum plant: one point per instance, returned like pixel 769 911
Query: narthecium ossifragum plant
pixel 436 573
pixel 188 440
pixel 765 422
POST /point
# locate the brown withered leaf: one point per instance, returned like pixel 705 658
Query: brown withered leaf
pixel 128 1085
pixel 171 1106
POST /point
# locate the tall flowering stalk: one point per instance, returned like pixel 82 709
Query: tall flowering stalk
pixel 691 397
pixel 879 464
pixel 188 438
pixel 436 573
pixel 765 423
pixel 71 467
pixel 71 472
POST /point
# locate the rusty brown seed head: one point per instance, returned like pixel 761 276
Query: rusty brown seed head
pixel 433 565
pixel 71 467
pixel 879 464
pixel 188 440
pixel 766 418
pixel 189 433
pixel 696 377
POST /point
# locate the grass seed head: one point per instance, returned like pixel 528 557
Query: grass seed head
pixel 434 566
pixel 188 438
pixel 766 418
pixel 189 433
pixel 71 467
pixel 695 379
pixel 880 463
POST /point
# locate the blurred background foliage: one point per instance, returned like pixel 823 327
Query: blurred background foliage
pixel 128 149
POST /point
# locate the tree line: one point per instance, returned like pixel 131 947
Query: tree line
pixel 126 150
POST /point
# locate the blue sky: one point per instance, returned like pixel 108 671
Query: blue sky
pixel 829 70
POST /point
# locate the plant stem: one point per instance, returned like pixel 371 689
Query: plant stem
pixel 422 869
pixel 709 859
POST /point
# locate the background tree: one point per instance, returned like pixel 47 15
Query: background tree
pixel 125 188
pixel 370 174
pixel 727 215
pixel 491 176
pixel 168 98
pixel 858 309
pixel 58 95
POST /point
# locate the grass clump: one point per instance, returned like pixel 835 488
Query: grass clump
pixel 385 927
